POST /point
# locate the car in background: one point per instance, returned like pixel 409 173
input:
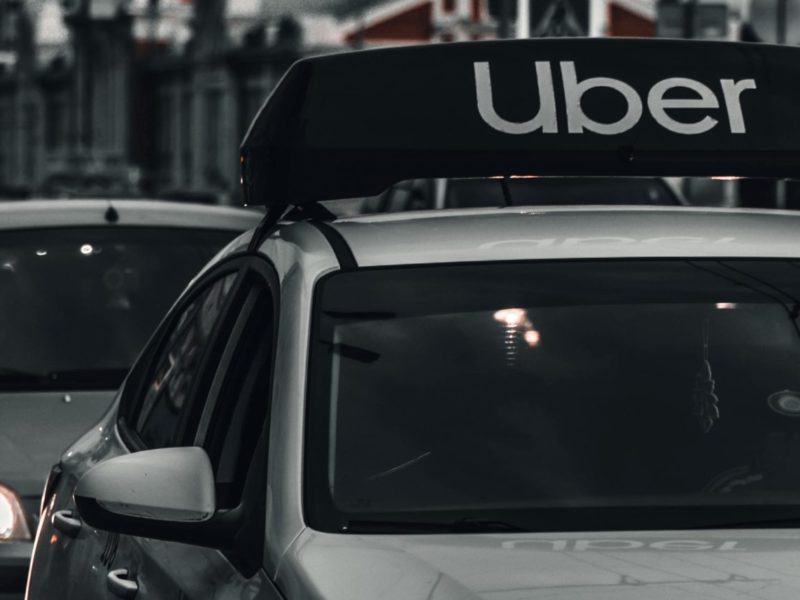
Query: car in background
pixel 83 283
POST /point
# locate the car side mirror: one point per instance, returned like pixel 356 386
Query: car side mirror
pixel 169 494
pixel 165 493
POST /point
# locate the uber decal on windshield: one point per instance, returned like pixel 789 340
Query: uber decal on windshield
pixel 660 99
pixel 616 544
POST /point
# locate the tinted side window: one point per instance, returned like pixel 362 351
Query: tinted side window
pixel 234 419
pixel 174 379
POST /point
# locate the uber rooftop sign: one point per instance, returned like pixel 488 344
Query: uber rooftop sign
pixel 700 97
pixel 352 124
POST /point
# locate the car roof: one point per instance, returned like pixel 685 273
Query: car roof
pixel 35 214
pixel 523 233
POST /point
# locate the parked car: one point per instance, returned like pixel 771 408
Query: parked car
pixel 518 402
pixel 82 286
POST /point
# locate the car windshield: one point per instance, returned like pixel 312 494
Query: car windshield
pixel 556 395
pixel 78 304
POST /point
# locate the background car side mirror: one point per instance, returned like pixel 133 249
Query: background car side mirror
pixel 166 494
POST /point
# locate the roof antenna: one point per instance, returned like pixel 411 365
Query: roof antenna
pixel 506 192
pixel 111 216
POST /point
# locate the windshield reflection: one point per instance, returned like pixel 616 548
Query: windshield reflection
pixel 508 392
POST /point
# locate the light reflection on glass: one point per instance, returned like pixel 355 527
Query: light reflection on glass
pixel 41 253
pixel 726 305
pixel 514 322
pixel 86 249
pixel 511 317
pixel 532 337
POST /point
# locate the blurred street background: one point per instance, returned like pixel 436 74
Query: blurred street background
pixel 151 98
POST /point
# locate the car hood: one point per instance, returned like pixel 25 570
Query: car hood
pixel 587 566
pixel 36 427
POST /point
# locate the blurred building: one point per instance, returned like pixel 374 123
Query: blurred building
pixel 631 18
pixel 706 19
pixel 701 19
pixel 152 97
pixel 63 96
pixel 18 101
pixel 581 17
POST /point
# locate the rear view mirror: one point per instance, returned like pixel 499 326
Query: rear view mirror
pixel 174 485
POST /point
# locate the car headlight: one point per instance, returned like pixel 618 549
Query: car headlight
pixel 13 525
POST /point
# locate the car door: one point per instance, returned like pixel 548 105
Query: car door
pixel 160 398
pixel 230 423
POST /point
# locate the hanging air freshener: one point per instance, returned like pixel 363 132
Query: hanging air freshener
pixel 705 403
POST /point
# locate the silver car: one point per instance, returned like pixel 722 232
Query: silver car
pixel 497 404
pixel 552 402
pixel 83 283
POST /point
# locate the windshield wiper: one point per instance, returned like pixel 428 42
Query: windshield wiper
pixel 464 525
pixel 360 315
pixel 90 378
pixel 93 378
pixel 10 373
pixel 352 352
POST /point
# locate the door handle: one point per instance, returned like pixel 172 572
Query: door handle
pixel 66 522
pixel 120 585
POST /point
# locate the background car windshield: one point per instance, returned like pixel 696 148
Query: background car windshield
pixel 469 193
pixel 422 194
pixel 546 392
pixel 477 192
pixel 78 304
